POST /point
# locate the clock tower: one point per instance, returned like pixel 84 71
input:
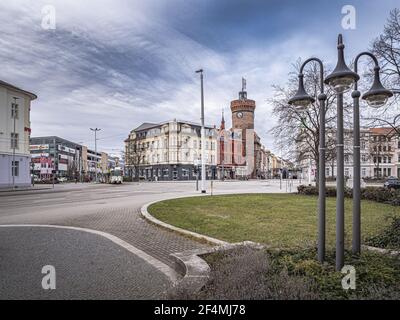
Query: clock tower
pixel 243 110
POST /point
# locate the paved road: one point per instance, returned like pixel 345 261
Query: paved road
pixel 113 210
pixel 87 266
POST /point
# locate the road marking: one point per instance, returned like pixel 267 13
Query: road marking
pixel 168 271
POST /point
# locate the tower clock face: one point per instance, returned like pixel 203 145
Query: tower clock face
pixel 239 115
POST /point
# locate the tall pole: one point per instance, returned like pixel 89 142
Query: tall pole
pixel 95 150
pixel 340 185
pixel 321 192
pixel 203 137
pixel 321 161
pixel 53 170
pixel 15 141
pixel 356 244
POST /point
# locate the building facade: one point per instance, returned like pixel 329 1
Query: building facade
pixel 379 155
pixel 15 130
pixel 169 150
pixel 67 159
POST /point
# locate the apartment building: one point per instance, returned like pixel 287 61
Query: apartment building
pixel 379 155
pixel 15 130
pixel 67 159
pixel 170 150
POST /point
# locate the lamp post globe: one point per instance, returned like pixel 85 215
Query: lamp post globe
pixel 342 78
pixel 377 96
pixel 301 100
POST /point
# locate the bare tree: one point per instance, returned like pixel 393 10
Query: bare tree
pixel 134 156
pixel 297 133
pixel 387 49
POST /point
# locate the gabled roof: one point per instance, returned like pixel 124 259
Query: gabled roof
pixel 382 131
pixel 11 87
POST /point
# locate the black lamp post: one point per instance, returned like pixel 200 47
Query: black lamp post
pixel 376 97
pixel 341 80
pixel 301 101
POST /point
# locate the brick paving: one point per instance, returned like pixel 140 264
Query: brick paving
pixel 130 226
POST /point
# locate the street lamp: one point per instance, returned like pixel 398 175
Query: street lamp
pixel 203 137
pixel 95 150
pixel 341 80
pixel 301 101
pixel 376 97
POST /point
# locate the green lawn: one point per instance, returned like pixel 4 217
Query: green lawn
pixel 281 220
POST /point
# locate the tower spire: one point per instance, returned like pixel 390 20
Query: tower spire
pixel 243 93
pixel 222 120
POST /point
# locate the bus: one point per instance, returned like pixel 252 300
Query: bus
pixel 116 175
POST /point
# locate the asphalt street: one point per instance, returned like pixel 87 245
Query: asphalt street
pixel 111 209
pixel 86 266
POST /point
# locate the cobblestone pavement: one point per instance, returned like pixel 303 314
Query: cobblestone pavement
pixel 115 210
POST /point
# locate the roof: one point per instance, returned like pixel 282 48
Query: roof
pixel 382 131
pixel 12 87
pixel 145 126
pixel 149 125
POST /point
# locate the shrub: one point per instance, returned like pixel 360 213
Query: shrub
pixel 329 191
pixel 378 194
pixel 246 274
pixel 388 238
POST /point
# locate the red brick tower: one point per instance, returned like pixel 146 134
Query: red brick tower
pixel 243 110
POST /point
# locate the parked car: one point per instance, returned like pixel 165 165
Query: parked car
pixel 62 179
pixel 392 183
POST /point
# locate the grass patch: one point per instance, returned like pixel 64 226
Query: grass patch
pixel 280 220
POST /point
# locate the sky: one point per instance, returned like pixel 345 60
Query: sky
pixel 114 64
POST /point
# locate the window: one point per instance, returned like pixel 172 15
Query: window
pixel 347 172
pixel 14 111
pixel 165 172
pixel 364 172
pixel 15 168
pixel 363 145
pixel 195 144
pixel 14 140
pixel 389 159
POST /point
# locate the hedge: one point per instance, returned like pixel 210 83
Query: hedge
pixel 378 194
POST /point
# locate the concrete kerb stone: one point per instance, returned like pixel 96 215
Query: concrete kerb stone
pixel 383 251
pixel 149 217
pixel 194 269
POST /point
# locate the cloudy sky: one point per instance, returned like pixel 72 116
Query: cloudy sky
pixel 114 64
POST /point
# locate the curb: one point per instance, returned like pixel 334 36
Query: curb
pixel 196 270
pixel 162 224
pixel 383 251
pixel 189 263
